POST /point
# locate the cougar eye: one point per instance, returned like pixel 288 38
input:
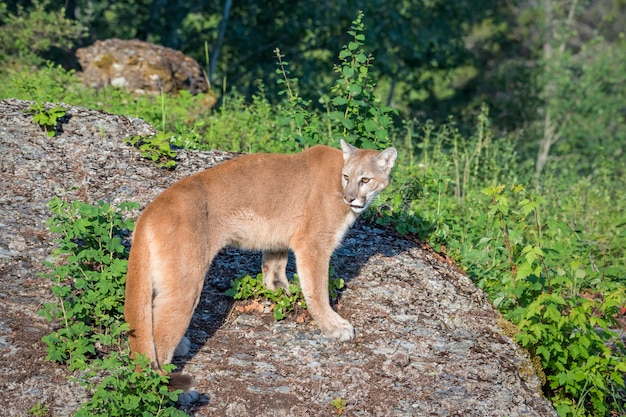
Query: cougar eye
pixel 345 177
pixel 365 180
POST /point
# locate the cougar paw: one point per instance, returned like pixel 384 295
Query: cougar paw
pixel 274 281
pixel 340 329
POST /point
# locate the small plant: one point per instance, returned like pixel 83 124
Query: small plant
pixel 248 287
pixel 39 410
pixel 294 113
pixel 353 111
pixel 88 282
pixel 339 404
pixel 156 148
pixel 48 119
pixel 125 392
pixel 359 116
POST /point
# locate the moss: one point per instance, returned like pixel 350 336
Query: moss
pixel 105 62
pixel 180 76
pixel 163 73
pixel 536 362
pixel 532 365
pixel 132 61
pixel 507 327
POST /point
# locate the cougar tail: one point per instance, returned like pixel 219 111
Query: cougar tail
pixel 179 380
pixel 138 309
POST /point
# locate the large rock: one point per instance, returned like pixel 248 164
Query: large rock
pixel 140 67
pixel 429 343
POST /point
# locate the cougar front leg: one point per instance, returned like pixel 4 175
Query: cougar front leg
pixel 274 270
pixel 312 267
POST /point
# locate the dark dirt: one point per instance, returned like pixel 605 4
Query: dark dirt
pixel 428 342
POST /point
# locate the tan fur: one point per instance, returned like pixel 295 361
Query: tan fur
pixel 303 202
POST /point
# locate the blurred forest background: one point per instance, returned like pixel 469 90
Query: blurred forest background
pixel 509 119
pixel 553 72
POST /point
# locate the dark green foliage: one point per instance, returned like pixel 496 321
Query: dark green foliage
pixel 29 36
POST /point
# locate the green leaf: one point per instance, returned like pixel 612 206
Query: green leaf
pixel 355 90
pixel 552 313
pixel 524 271
pixel 278 313
pixel 361 59
pixel 370 125
pixel 339 101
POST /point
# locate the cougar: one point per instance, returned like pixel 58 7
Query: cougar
pixel 268 202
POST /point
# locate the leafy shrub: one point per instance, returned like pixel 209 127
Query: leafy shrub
pixel 551 260
pixel 48 119
pixel 561 318
pixel 353 109
pixel 89 284
pixel 248 287
pixel 125 392
pixel 156 148
pixel 48 84
pixel 241 126
pixel 352 113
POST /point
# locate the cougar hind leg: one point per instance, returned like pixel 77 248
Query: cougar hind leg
pixel 177 288
pixel 172 312
pixel 176 296
pixel 275 270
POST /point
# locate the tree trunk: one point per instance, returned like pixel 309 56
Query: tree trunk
pixel 552 60
pixel 220 40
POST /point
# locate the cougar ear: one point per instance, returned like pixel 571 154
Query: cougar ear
pixel 386 159
pixel 348 150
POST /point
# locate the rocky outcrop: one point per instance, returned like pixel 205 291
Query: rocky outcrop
pixel 428 342
pixel 140 67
